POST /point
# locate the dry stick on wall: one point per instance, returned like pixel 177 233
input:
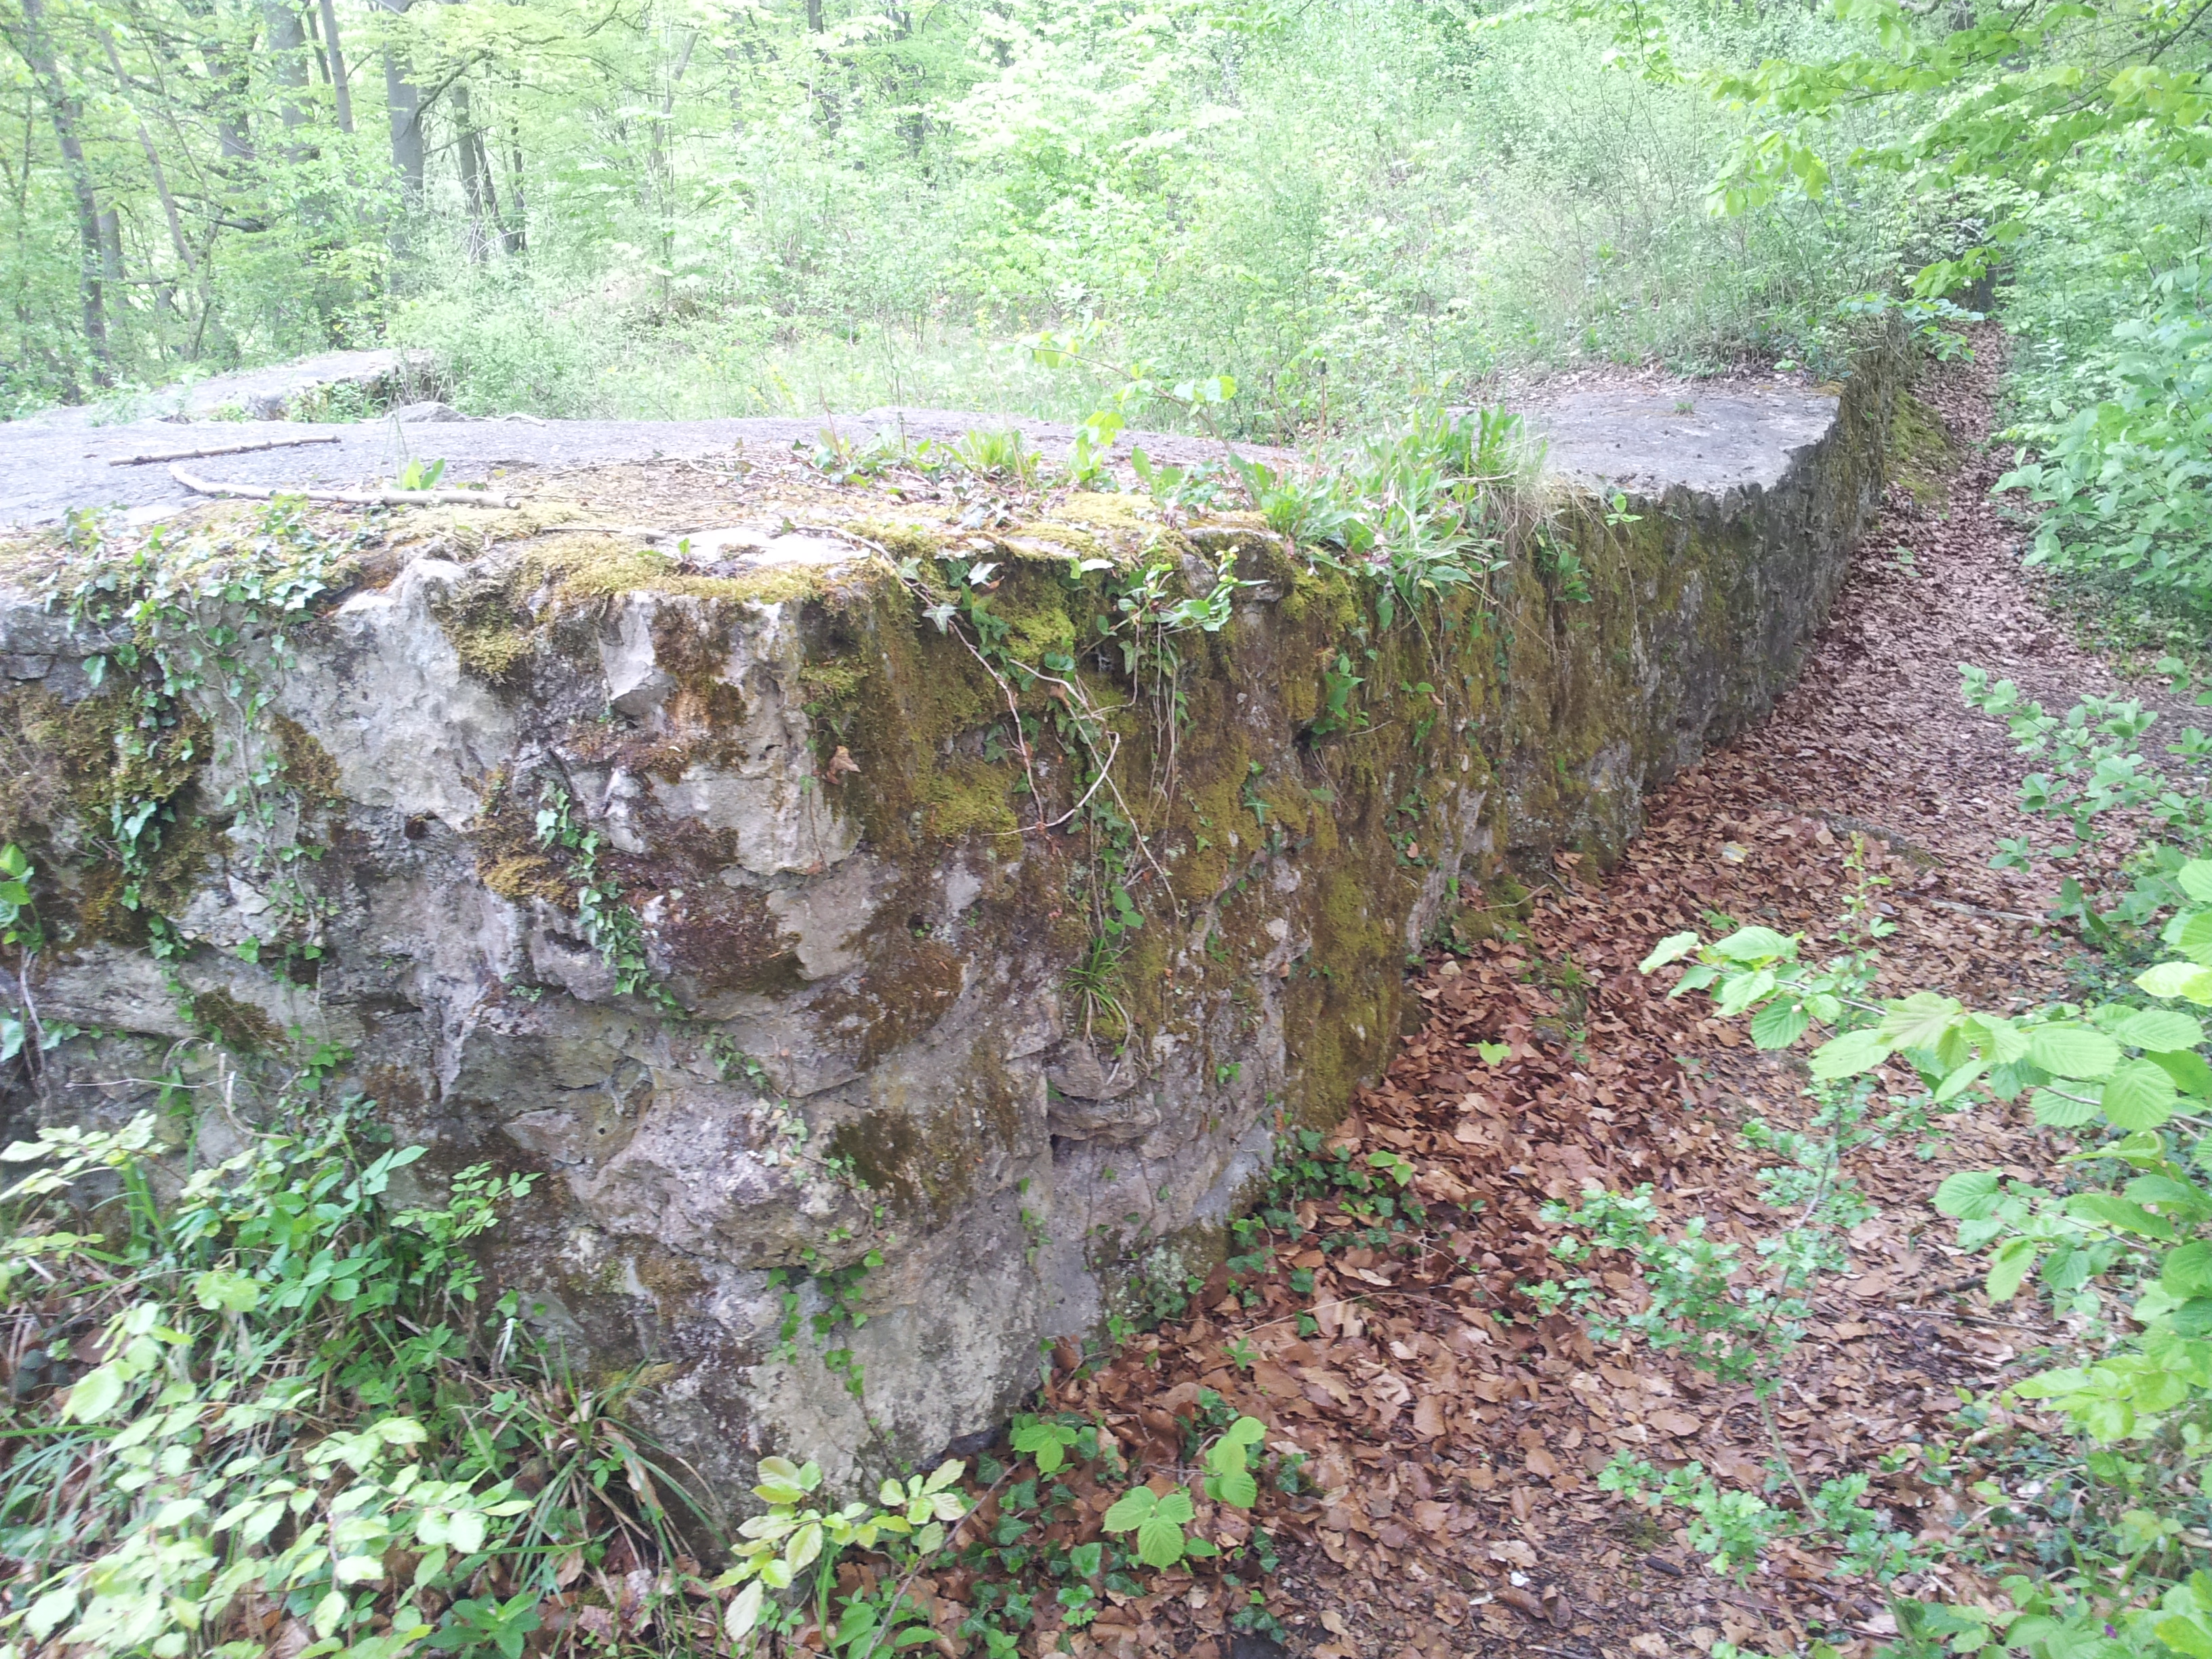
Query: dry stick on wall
pixel 217 449
pixel 349 497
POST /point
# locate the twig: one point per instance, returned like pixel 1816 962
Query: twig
pixel 349 497
pixel 220 449
pixel 1978 909
pixel 643 532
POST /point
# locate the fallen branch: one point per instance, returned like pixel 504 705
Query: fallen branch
pixel 220 449
pixel 349 497
pixel 643 532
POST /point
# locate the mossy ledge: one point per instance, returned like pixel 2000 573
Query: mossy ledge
pixel 882 1020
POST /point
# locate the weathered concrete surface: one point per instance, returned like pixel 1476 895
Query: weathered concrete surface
pixel 873 1029
pixel 50 464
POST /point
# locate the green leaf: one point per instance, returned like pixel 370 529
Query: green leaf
pixel 97 1393
pixel 2192 935
pixel 1849 1055
pixel 2187 1271
pixel 1921 1020
pixel 1969 1195
pixel 2179 979
pixel 1237 1487
pixel 1131 1510
pixel 1160 1540
pixel 1672 948
pixel 2161 1029
pixel 2189 1071
pixel 1749 945
pixel 2008 1267
pixel 2069 1050
pixel 2056 1111
pixel 1778 1025
pixel 1960 1081
pixel 2118 1214
pixel 228 1293
pixel 2195 878
pixel 2139 1095
pixel 2184 1635
pixel 745 1611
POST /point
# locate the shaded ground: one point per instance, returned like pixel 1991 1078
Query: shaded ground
pixel 1455 1442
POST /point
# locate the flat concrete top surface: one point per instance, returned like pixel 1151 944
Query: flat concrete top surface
pixel 1635 435
pixel 48 467
pixel 1712 438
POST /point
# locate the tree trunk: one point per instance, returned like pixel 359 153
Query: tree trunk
pixel 339 89
pixel 177 242
pixel 32 44
pixel 403 103
pixel 473 181
pixel 518 238
pixel 288 52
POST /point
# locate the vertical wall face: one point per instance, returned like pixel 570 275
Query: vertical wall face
pixel 853 1004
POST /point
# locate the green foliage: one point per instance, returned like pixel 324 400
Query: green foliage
pixel 796 1543
pixel 269 1382
pixel 2124 1247
pixel 1157 1521
pixel 1342 208
pixel 199 635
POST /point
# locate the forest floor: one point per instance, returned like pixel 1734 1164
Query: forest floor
pixel 1456 1437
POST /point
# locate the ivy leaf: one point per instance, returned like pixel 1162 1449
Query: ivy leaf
pixel 2069 1050
pixel 1672 948
pixel 1849 1055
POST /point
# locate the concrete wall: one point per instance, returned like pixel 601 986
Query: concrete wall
pixel 863 1025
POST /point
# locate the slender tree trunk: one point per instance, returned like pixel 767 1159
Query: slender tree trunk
pixel 339 88
pixel 472 178
pixel 403 104
pixel 177 242
pixel 518 238
pixel 36 51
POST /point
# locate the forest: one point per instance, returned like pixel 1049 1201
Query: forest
pixel 1787 1233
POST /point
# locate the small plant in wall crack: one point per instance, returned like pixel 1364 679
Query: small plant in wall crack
pixel 611 926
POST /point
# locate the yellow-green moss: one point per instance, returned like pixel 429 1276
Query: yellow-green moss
pixel 309 768
pixel 239 1025
pixel 963 796
pixel 1921 455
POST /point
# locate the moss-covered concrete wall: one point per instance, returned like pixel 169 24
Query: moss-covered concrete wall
pixel 884 967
